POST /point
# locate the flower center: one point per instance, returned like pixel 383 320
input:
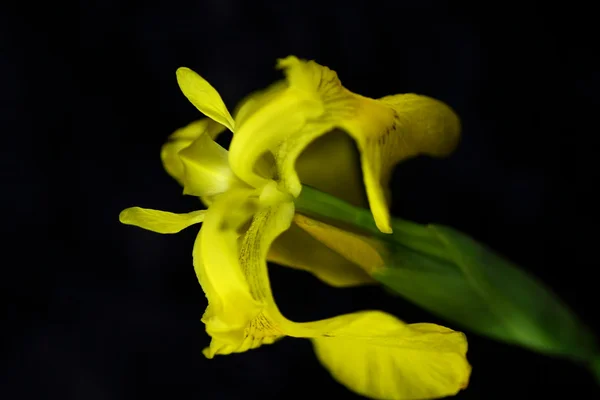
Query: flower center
pixel 272 194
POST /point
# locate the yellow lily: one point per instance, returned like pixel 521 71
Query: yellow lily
pixel 250 191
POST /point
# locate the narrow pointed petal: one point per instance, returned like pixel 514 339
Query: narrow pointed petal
pixel 297 249
pixel 160 221
pixel 205 97
pixel 182 138
pixel 379 356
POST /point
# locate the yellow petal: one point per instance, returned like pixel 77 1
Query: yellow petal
pixel 329 102
pixel 253 102
pixel 379 356
pixel 374 353
pixel 386 131
pixel 262 132
pixel 393 129
pixel 297 249
pixel 216 262
pixel 234 275
pixel 205 97
pixel 282 113
pixel 413 361
pixel 264 166
pixel 321 102
pixel 356 248
pixel 206 168
pixel 182 138
pixel 160 221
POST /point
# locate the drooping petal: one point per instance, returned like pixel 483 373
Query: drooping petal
pixel 427 126
pixel 205 97
pixel 233 272
pixel 386 131
pixel 160 221
pixel 182 138
pixel 206 168
pixel 393 129
pixel 297 249
pixel 379 356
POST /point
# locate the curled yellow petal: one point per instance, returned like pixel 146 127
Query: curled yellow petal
pixel 324 102
pixel 393 129
pixel 216 262
pixel 182 138
pixel 160 221
pixel 371 352
pixel 412 361
pixel 230 262
pixel 253 102
pixel 263 131
pixel 379 356
pixel 205 97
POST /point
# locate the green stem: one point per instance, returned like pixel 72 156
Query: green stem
pixel 315 203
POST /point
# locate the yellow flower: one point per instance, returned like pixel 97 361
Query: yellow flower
pixel 250 191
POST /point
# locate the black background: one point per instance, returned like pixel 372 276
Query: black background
pixel 98 310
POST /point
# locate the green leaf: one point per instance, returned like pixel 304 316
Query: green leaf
pixel 595 367
pixel 485 293
pixel 459 279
